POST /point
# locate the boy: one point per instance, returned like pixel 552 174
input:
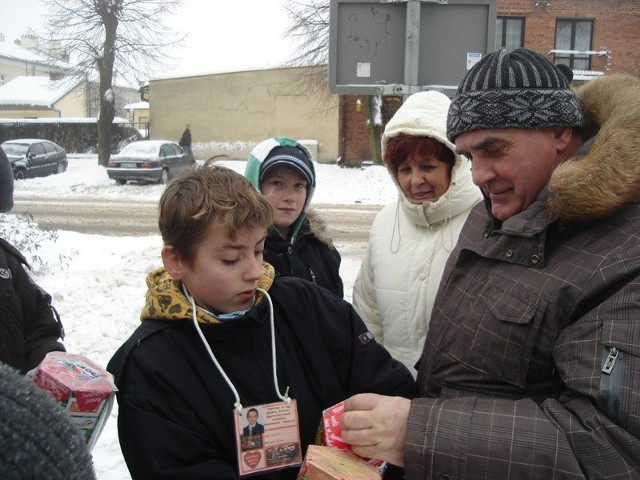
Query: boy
pixel 219 333
pixel 253 427
pixel 298 242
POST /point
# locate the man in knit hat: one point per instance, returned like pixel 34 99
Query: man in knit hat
pixel 531 365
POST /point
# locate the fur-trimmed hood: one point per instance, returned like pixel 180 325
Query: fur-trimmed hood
pixel 601 179
pixel 318 228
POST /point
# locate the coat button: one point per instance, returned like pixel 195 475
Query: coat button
pixel 290 250
pixel 509 253
pixel 535 259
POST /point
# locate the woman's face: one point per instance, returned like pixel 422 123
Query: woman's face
pixel 423 179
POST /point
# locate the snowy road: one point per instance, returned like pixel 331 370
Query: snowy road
pixel 348 223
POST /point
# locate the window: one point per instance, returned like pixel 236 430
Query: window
pixel 509 33
pixel 166 151
pixel 36 149
pixel 574 34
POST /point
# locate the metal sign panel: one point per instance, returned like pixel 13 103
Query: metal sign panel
pixel 404 46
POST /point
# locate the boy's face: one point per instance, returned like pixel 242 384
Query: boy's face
pixel 252 417
pixel 225 273
pixel 286 192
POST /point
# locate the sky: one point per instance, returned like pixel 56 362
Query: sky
pixel 222 36
pixel 98 282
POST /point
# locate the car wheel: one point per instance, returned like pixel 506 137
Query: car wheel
pixel 61 168
pixel 120 181
pixel 165 177
pixel 20 174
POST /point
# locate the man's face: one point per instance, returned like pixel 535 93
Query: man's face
pixel 511 165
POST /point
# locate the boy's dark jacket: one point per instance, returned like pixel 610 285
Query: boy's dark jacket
pixel 311 256
pixel 29 326
pixel 176 412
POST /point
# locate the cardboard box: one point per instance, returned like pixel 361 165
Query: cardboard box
pixel 328 463
pixel 331 435
pixel 83 388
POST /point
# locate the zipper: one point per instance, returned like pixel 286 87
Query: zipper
pixel 610 361
pixel 611 381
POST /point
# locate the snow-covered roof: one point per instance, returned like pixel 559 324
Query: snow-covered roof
pixel 34 91
pixel 136 106
pixel 11 51
pixel 8 121
pixel 16 52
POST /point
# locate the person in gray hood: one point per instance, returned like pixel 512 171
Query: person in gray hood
pixel 412 237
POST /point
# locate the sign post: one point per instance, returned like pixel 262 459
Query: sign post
pixel 399 47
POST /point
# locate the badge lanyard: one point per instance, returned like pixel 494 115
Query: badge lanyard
pixel 262 452
pixel 237 405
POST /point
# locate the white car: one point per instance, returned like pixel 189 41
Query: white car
pixel 149 161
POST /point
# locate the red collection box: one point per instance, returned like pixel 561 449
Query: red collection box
pixel 332 434
pixel 83 388
pixel 327 463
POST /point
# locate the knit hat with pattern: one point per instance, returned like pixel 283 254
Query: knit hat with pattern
pixel 518 89
pixel 37 438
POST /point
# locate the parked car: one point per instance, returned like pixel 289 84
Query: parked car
pixel 149 161
pixel 35 157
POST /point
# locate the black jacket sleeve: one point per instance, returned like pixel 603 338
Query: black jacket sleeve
pixel 33 325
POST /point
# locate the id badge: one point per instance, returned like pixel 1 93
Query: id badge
pixel 267 437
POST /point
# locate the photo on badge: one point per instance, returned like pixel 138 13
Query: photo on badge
pixel 268 437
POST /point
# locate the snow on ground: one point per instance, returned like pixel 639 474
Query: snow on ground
pixel 98 285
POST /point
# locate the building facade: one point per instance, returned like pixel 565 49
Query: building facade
pixel 593 37
pixel 34 87
pixel 231 112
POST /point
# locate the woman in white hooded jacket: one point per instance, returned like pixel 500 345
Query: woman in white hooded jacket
pixel 412 237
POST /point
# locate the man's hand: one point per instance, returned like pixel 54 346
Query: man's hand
pixel 375 426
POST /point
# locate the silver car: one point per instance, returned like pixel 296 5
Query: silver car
pixel 149 161
pixel 35 157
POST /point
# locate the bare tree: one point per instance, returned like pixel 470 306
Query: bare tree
pixel 109 37
pixel 309 28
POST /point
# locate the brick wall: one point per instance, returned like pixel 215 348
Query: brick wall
pixel 616 26
pixel 354 143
